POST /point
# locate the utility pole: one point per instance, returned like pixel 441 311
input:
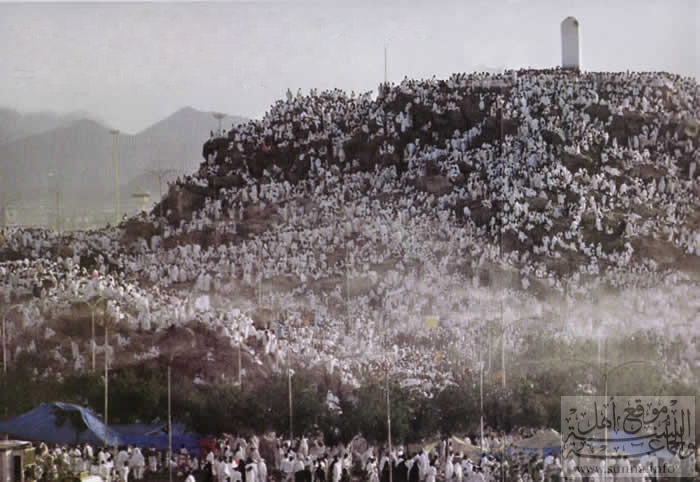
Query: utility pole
pixel 488 329
pixel 160 173
pixel 58 208
pixel 605 373
pixel 240 383
pixel 388 421
pixel 500 241
pixel 3 200
pixel 115 159
pixel 260 277
pixel 385 66
pixel 106 378
pixel 92 339
pixel 503 348
pixel 481 399
pixel 170 427
pixel 93 307
pixel 289 382
pixel 388 404
pixel 347 290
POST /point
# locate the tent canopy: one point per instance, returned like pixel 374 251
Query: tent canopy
pixel 546 442
pixel 60 423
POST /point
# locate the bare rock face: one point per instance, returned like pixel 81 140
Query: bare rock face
pixel 537 203
pixel 437 185
pixel 551 137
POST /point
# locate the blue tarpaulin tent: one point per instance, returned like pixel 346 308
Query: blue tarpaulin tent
pixel 148 435
pixel 60 423
pixel 546 442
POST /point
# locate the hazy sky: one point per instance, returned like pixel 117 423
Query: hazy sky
pixel 132 64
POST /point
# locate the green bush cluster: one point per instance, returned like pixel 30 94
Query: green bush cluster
pixel 530 398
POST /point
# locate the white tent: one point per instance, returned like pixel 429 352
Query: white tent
pixel 543 440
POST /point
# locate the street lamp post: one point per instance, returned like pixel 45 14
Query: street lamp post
pixel 4 337
pixel 3 200
pixel 106 378
pixel 117 316
pixel 605 373
pixel 481 401
pixel 503 347
pixel 170 427
pixel 347 290
pixel 387 366
pixel 289 382
pixel 53 177
pixel 115 159
pixel 238 342
pixel 388 420
pixel 93 307
pixel 160 173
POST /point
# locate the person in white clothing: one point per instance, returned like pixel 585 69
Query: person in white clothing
pixel 262 470
pixel 210 457
pixel 431 473
pixel 137 464
pixel 337 470
pixel 458 471
pixel 124 472
pixel 152 459
pixel 449 468
pixel 223 470
pixel 287 467
pixel 371 470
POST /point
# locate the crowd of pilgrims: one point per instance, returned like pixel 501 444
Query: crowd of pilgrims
pixel 353 247
pixel 272 458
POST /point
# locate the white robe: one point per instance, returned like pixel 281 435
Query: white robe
pixel 251 472
pixel 262 471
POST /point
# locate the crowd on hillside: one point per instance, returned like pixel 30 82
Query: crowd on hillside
pixel 357 218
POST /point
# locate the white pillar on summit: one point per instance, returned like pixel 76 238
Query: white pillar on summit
pixel 570 47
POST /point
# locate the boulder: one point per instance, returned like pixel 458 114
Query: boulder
pixel 438 185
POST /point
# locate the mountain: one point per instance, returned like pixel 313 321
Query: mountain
pixel 81 153
pixel 15 125
pixel 415 251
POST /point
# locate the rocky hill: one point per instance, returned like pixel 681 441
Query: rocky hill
pixel 340 228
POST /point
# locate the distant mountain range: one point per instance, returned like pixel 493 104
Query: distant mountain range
pixel 15 125
pixel 79 152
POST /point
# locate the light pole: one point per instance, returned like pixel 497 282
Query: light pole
pixel 347 290
pixel 54 178
pixel 93 306
pixel 387 366
pixel 289 388
pixel 117 316
pixel 160 174
pixel 115 159
pixel 503 347
pixel 106 378
pixel 388 421
pixel 3 200
pixel 170 426
pixel 481 401
pixel 385 67
pixel 605 373
pixel 4 337
pixel 219 117
pixel 239 340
